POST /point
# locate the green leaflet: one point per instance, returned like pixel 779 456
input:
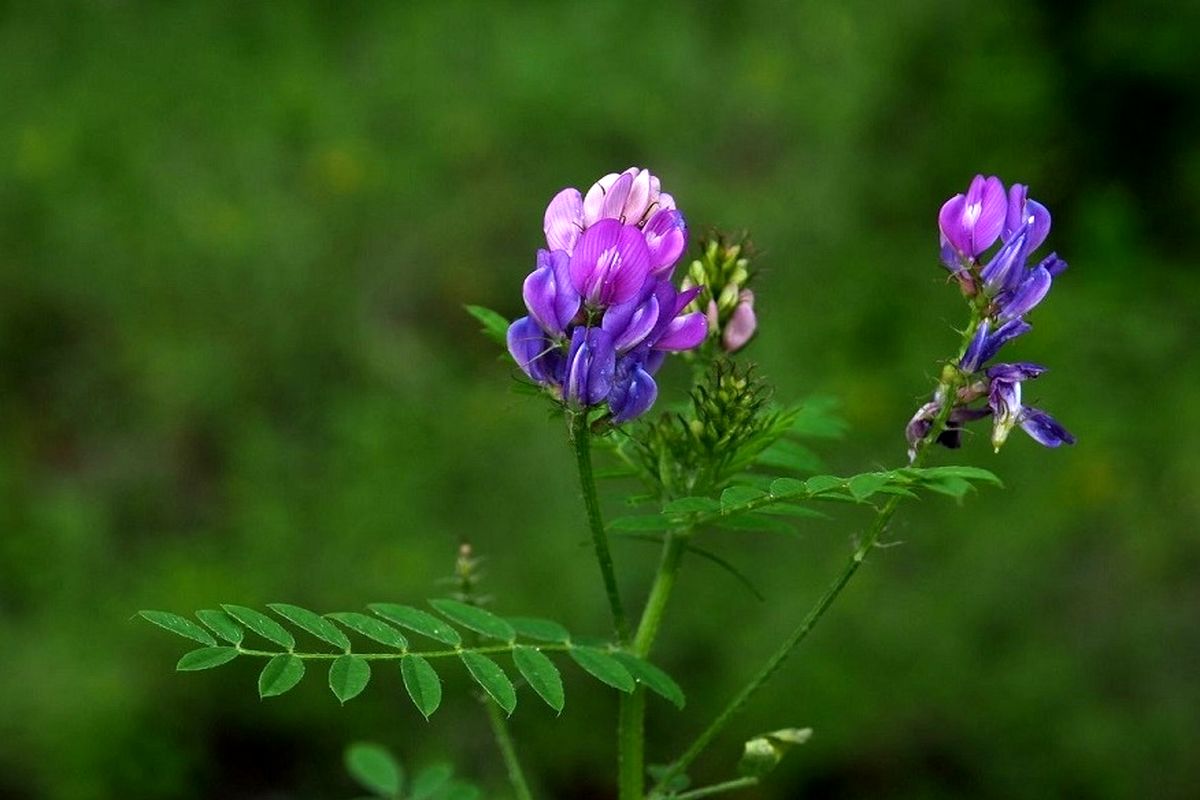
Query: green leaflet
pixel 375 769
pixel 652 678
pixel 430 781
pixel 475 618
pixel 371 628
pixel 736 496
pixel 348 676
pixel 422 683
pixel 261 624
pixel 279 675
pixel 419 621
pixel 315 624
pixel 543 630
pixel 221 624
pixel 491 678
pixel 495 326
pixel 542 675
pixel 603 667
pixel 206 658
pixel 692 505
pixel 179 626
pixel 863 486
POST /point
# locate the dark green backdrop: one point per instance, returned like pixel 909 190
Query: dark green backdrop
pixel 234 244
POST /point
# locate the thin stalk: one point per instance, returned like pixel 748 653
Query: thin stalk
pixel 581 442
pixel 883 516
pixel 504 741
pixel 717 788
pixel 631 721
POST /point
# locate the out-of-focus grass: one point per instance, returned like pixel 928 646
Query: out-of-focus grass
pixel 234 243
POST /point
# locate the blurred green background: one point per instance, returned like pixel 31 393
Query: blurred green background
pixel 235 240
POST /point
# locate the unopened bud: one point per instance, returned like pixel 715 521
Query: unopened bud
pixel 742 324
pixel 728 298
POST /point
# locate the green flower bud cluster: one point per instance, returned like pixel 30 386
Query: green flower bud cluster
pixel 723 273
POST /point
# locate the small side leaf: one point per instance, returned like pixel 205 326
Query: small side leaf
pixel 221 624
pixel 475 618
pixel 261 624
pixel 863 486
pixel 692 505
pixel 416 620
pixel 422 683
pixel 315 624
pixel 206 658
pixel 823 483
pixel 279 675
pixel 375 769
pixel 371 628
pixel 487 674
pixel 736 496
pixel 542 675
pixel 348 676
pixel 495 326
pixel 430 781
pixel 603 667
pixel 652 678
pixel 543 630
pixel 180 626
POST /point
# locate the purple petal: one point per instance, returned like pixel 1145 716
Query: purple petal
pixel 610 263
pixel 950 223
pixel 1015 373
pixel 615 197
pixel 987 222
pixel 973 357
pixel 1014 218
pixel 590 364
pixel 528 345
pixel 1044 429
pixel 564 220
pixel 741 325
pixel 666 238
pixel 1028 294
pixel 633 395
pixel 1001 336
pixel 683 333
pixel 639 196
pixel 593 202
pixel 631 322
pixel 549 295
pixel 1054 265
pixel 1005 268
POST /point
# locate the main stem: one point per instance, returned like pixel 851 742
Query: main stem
pixel 631 723
pixel 581 442
pixel 882 518
pixel 504 741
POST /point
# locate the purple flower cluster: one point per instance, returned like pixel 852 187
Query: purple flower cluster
pixel 603 312
pixel 1004 289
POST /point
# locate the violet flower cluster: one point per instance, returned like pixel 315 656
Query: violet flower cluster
pixel 1003 291
pixel 603 312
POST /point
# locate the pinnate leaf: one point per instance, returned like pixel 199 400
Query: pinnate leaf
pixel 261 624
pixel 348 676
pixel 180 626
pixel 652 678
pixel 279 675
pixel 491 678
pixel 542 675
pixel 315 624
pixel 221 624
pixel 422 683
pixel 475 618
pixel 375 769
pixel 603 667
pixel 206 658
pixel 419 621
pixel 543 630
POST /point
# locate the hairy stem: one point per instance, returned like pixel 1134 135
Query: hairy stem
pixel 504 741
pixel 631 723
pixel 581 442
pixel 882 517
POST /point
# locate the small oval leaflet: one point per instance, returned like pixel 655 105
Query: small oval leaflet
pixel 206 658
pixel 315 624
pixel 180 626
pixel 736 496
pixel 475 618
pixel 603 667
pixel 416 620
pixel 487 674
pixel 348 676
pixel 422 683
pixel 543 630
pixel 279 675
pixel 374 768
pixel 542 675
pixel 430 781
pixel 371 628
pixel 221 624
pixel 261 624
pixel 652 678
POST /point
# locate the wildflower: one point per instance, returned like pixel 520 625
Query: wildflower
pixel 972 222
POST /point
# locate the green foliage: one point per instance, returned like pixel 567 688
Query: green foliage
pixel 495 326
pixel 527 640
pixel 379 772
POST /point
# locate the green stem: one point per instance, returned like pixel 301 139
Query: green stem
pixel 717 788
pixel 631 722
pixel 950 383
pixel 581 441
pixel 504 741
pixel 487 649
